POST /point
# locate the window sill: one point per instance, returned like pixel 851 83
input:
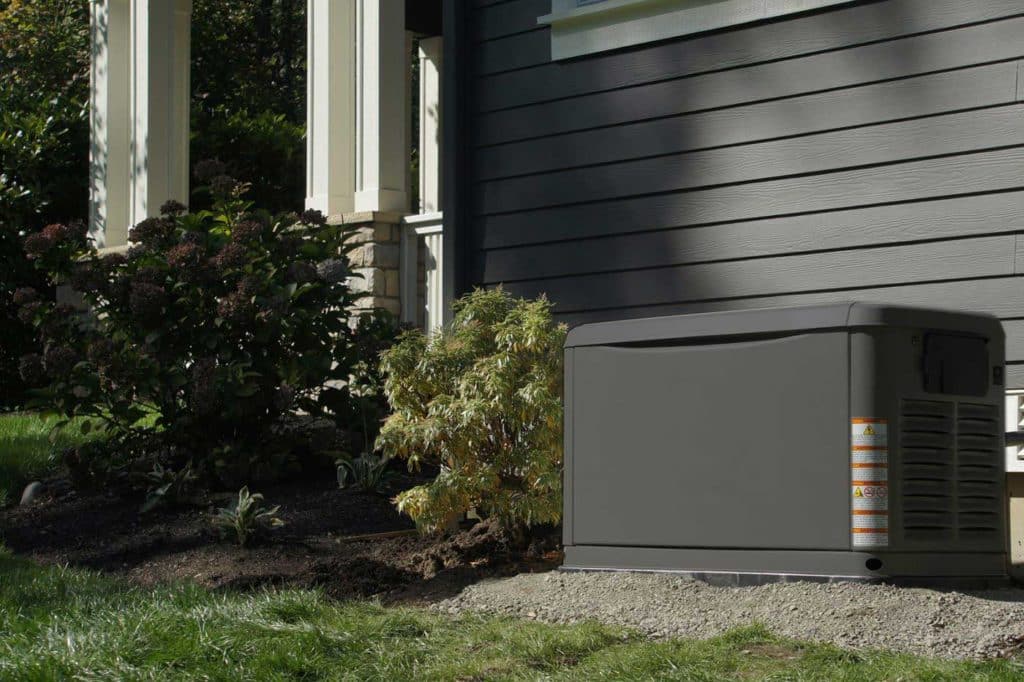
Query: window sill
pixel 614 24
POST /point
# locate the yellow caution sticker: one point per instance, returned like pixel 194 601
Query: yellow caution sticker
pixel 869 482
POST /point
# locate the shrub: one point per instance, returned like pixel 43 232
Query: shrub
pixel 218 322
pixel 482 400
pixel 44 146
pixel 246 517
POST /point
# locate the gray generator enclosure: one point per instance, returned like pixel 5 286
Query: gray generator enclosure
pixel 839 441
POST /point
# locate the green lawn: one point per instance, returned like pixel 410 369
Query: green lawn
pixel 61 623
pixel 26 452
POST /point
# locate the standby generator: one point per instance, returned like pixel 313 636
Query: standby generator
pixel 849 441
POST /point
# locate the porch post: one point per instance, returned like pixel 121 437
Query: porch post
pixel 356 147
pixel 109 122
pixel 160 95
pixel 330 106
pixel 382 158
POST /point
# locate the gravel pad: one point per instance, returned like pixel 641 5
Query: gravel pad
pixel 913 620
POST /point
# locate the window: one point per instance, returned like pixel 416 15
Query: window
pixel 580 27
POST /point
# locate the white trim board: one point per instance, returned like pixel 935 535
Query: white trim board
pixel 598 26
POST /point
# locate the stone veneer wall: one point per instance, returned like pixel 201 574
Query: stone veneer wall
pixel 378 237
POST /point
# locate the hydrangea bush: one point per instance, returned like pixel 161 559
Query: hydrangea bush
pixel 219 322
pixel 481 400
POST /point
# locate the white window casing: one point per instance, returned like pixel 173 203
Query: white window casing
pixel 580 27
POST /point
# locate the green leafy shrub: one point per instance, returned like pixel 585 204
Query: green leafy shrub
pixel 44 147
pixel 219 322
pixel 246 517
pixel 482 400
pixel 368 473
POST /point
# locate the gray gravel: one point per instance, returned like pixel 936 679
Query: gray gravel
pixel 913 620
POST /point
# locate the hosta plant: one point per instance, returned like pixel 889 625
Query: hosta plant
pixel 366 472
pixel 246 517
pixel 481 400
pixel 166 486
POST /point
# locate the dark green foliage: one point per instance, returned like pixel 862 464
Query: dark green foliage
pixel 44 137
pixel 219 322
pixel 249 93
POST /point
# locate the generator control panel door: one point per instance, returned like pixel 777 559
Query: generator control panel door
pixel 726 445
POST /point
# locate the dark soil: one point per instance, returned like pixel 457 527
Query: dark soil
pixel 351 544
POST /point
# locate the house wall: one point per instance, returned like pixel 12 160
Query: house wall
pixel 871 152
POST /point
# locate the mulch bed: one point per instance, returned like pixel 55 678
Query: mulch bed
pixel 350 544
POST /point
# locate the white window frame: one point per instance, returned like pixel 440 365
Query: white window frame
pixel 579 28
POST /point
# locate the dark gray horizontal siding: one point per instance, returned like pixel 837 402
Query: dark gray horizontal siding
pixel 933 261
pixel 914 97
pixel 507 18
pixel 972 45
pixel 911 181
pixel 873 152
pixel 892 142
pixel 830 30
pixel 960 217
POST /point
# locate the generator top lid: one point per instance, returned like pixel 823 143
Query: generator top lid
pixel 762 321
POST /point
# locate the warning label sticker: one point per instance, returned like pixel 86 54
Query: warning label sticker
pixel 864 537
pixel 869 473
pixel 869 479
pixel 865 503
pixel 869 433
pixel 879 457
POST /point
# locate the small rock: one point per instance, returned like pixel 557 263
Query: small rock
pixel 32 492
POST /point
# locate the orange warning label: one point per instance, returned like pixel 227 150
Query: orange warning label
pixel 869 482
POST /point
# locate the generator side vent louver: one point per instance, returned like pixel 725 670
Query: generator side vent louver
pixel 928 478
pixel 979 472
pixel 950 472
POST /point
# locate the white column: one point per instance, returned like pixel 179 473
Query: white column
pixel 109 122
pixel 382 151
pixel 430 124
pixel 160 95
pixel 356 141
pixel 330 105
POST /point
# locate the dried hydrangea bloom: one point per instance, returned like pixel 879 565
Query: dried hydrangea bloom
pixel 38 244
pixel 172 208
pixel 232 256
pixel 223 186
pixel 236 308
pixel 101 352
pixel 88 276
pixel 302 272
pixel 207 169
pixel 146 300
pixel 313 217
pixel 185 257
pixel 151 232
pixel 333 270
pixel 27 312
pixel 59 360
pixel 25 295
pixel 31 370
pixel 247 231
